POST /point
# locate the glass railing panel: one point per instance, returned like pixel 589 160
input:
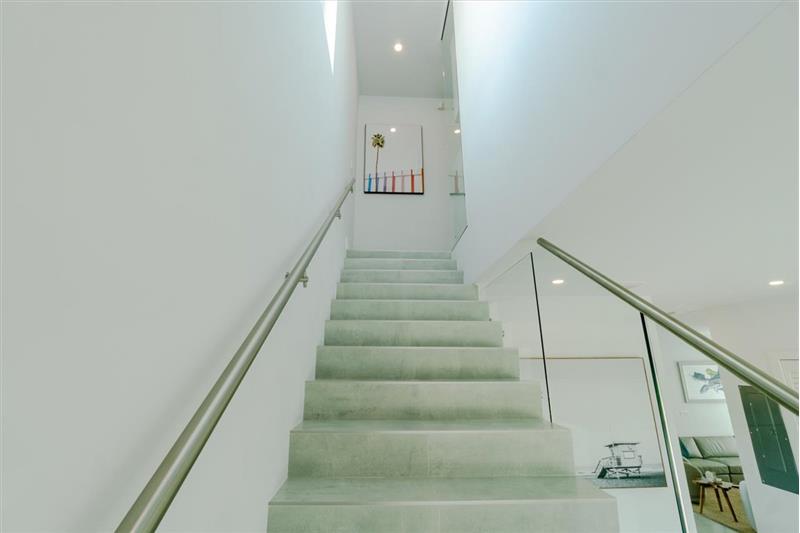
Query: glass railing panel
pixel 449 105
pixel 589 352
pixel 601 387
pixel 698 393
pixel 512 301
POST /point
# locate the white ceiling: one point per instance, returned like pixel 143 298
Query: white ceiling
pixel 417 70
pixel 700 207
pixel 659 144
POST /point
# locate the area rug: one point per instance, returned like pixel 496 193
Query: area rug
pixel 711 511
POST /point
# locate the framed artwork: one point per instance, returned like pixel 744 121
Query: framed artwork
pixel 393 159
pixel 701 381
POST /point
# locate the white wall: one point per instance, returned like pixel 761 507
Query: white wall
pixel 550 90
pixel 164 165
pixel 406 222
pixel 758 330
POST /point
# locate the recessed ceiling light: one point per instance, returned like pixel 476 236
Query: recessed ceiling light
pixel 457 131
pixel 776 282
pixel 393 129
pixel 558 282
pixel 398 47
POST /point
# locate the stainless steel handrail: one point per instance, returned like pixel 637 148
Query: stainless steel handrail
pixel 736 365
pixel 154 500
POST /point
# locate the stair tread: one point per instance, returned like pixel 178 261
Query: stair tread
pixel 385 250
pixel 390 284
pixel 386 491
pixel 355 275
pixel 335 399
pixel 428 270
pixel 369 290
pixel 435 381
pixel 443 349
pixel 410 301
pixel 426 426
pixel 397 263
pixel 416 362
pixel 409 321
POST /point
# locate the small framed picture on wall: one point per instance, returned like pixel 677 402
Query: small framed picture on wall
pixel 393 159
pixel 701 381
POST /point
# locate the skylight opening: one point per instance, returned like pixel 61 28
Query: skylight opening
pixel 329 8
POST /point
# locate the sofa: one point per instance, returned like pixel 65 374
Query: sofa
pixel 715 454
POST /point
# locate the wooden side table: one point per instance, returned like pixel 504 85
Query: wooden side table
pixel 717 486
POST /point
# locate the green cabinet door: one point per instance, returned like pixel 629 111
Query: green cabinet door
pixel 770 442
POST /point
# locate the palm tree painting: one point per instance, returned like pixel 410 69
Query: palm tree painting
pixel 377 142
pixel 399 163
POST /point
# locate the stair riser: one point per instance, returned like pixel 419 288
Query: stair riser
pixel 412 333
pixel 400 264
pixel 445 454
pixel 399 291
pixel 368 362
pixel 440 400
pixel 397 254
pixel 551 516
pixel 408 310
pixel 402 276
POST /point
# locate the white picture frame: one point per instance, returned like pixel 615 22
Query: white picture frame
pixel 701 381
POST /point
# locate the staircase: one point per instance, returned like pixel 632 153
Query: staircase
pixel 417 421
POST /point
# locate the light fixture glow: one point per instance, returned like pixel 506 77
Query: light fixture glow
pixel 457 131
pixel 775 283
pixel 398 47
pixel 558 282
pixel 393 129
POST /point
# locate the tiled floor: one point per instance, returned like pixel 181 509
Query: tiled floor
pixel 706 525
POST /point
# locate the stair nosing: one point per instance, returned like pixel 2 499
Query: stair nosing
pixel 424 271
pixel 415 321
pixel 590 493
pixel 433 380
pixel 381 250
pixel 435 347
pixel 399 503
pixel 298 430
pixel 411 300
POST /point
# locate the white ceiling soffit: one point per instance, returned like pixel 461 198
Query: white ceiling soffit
pixel 702 203
pixel 417 70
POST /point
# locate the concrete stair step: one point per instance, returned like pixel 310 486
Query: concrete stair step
pixel 372 263
pixel 411 448
pixel 413 333
pixel 406 291
pixel 416 363
pixel 399 254
pixel 402 276
pixel 431 505
pixel 421 400
pixel 409 310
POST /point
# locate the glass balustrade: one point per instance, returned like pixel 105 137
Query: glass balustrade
pixel 593 355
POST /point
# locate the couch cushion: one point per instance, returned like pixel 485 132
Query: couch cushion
pixel 733 463
pixel 705 465
pixel 717 446
pixel 689 448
